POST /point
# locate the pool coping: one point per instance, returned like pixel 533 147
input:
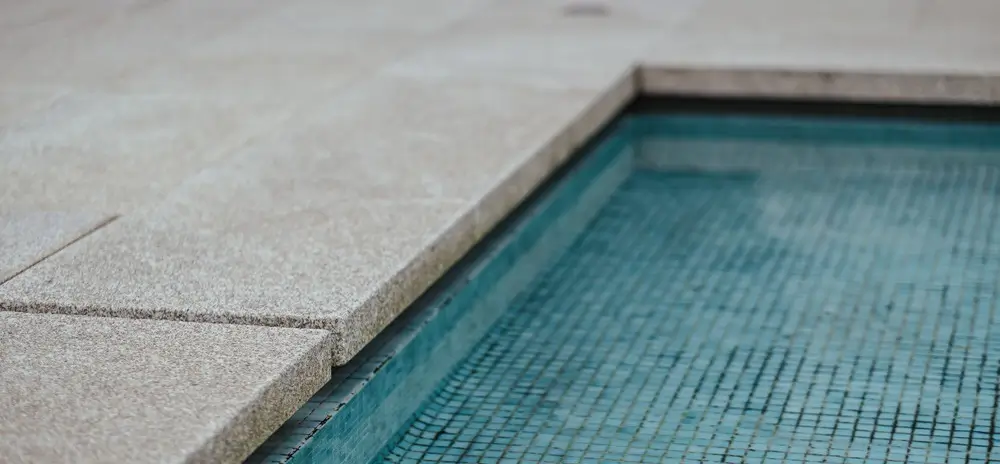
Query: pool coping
pixel 825 84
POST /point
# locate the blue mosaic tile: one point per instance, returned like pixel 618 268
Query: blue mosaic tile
pixel 827 313
pixel 813 291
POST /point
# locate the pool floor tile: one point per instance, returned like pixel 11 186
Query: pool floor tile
pixel 822 314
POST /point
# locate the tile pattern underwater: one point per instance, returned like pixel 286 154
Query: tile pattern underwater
pixel 704 289
pixel 819 312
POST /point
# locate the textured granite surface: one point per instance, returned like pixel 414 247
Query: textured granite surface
pixel 26 238
pixel 323 225
pixel 15 105
pixel 860 49
pixel 888 36
pixel 86 390
pixel 109 152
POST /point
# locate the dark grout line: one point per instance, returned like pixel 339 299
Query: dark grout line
pixel 82 236
pixel 815 106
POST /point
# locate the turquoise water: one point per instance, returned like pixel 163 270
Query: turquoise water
pixel 703 288
pixel 755 290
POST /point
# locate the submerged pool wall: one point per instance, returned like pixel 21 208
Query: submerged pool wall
pixel 750 143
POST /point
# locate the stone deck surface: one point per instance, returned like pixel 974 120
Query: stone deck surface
pixel 316 164
pixel 27 238
pixel 86 389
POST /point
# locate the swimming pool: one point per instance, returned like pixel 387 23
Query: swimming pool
pixel 705 288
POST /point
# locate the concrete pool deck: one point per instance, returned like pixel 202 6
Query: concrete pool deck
pixel 317 165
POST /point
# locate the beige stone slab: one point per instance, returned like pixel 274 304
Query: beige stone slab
pixel 98 53
pixel 79 389
pixel 881 36
pixel 300 58
pixel 339 221
pixel 938 53
pixel 881 50
pixel 970 20
pixel 26 25
pixel 111 153
pixel 550 44
pixel 563 57
pixel 16 105
pixel 17 39
pixel 24 14
pixel 27 238
pixel 371 16
pixel 591 14
pixel 729 19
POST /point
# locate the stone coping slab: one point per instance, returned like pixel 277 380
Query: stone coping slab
pixel 915 87
pixel 80 389
pixel 337 223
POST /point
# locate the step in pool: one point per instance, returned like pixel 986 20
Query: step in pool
pixel 705 287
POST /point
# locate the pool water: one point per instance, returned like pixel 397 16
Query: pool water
pixel 756 289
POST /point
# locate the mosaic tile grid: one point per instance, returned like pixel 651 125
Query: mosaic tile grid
pixel 367 401
pixel 755 316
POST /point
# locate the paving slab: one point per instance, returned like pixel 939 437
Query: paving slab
pixel 550 44
pixel 113 152
pixel 883 36
pixel 27 238
pixel 367 16
pixel 89 49
pixel 15 105
pixel 592 14
pixel 587 58
pixel 79 389
pixel 856 49
pixel 298 49
pixel 294 60
pixel 337 223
